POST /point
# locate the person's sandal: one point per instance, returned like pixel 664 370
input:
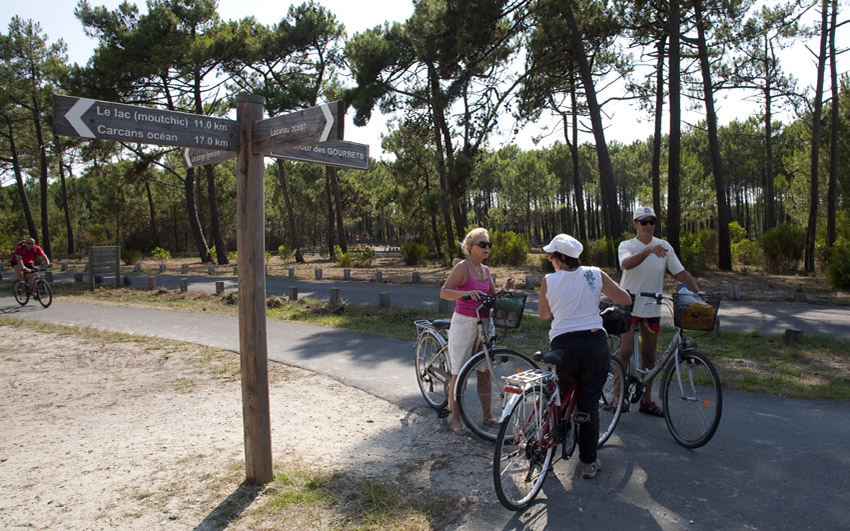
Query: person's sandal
pixel 652 409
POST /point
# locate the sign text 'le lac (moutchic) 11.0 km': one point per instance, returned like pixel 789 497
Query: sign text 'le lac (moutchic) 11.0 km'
pixel 105 120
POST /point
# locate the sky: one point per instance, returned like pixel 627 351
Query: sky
pixel 57 21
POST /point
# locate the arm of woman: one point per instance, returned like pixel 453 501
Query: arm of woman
pixel 456 278
pixel 543 310
pixel 614 291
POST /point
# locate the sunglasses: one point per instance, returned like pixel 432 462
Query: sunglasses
pixel 484 245
pixel 646 222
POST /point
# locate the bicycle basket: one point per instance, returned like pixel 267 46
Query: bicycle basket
pixel 700 315
pixel 508 309
pixel 616 320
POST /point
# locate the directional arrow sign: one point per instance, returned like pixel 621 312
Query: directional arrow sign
pixel 340 154
pixel 105 120
pixel 311 126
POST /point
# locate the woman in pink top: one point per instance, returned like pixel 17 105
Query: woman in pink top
pixel 470 278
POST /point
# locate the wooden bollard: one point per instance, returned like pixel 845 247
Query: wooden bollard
pixel 48 276
pixel 235 271
pixel 184 269
pixel 219 287
pixel 184 285
pixel 318 273
pixel 98 279
pixel 78 278
pixel 379 277
pixel 63 267
pixel 127 281
pixel 530 282
pixel 293 293
pixel 417 277
pixel 446 306
pixel 493 276
pixel 137 268
pixel 291 272
pixel 334 300
pixel 151 282
pixel 733 292
pixel 211 269
pixel 792 335
pixel 799 296
pixel 346 274
pixel 384 299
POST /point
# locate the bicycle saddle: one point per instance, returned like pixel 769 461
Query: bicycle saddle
pixel 551 357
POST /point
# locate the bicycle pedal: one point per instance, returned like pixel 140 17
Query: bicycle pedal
pixel 581 417
pixel 442 413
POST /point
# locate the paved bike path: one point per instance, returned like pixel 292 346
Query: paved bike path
pixel 775 463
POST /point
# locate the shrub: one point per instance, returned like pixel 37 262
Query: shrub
pixel 509 248
pixel 747 252
pixel 365 257
pixel 600 253
pixel 699 250
pixel 343 259
pixel 211 254
pixel 838 268
pixel 737 233
pixel 232 256
pixel 285 251
pixel 545 264
pixel 160 254
pixel 783 247
pixel 130 256
pixel 412 253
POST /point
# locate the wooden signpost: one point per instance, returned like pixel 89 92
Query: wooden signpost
pixel 339 154
pixel 248 139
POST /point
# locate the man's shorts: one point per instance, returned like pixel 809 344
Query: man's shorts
pixel 652 323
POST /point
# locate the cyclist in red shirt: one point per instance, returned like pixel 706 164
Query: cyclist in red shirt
pixel 23 258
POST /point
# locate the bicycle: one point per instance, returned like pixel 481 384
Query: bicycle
pixel 42 293
pixel 536 420
pixel 478 384
pixel 690 387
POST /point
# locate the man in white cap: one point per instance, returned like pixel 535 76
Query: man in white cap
pixel 644 259
pixel 571 296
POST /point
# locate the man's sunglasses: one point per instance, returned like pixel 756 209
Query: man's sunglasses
pixel 484 245
pixel 646 222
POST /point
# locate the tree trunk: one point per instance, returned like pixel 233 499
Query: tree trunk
pixel 294 240
pixel 656 137
pixel 152 210
pixel 331 244
pixel 724 252
pixel 674 156
pixel 833 136
pixel 811 230
pixel 45 198
pixel 338 204
pixel 69 226
pixel 215 218
pixel 769 199
pixel 194 221
pixel 22 190
pixel 611 221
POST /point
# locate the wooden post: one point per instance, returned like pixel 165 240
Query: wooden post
pixel 346 274
pixel 318 273
pixel 291 272
pixel 219 287
pixel 253 347
pixel 151 282
pixel 184 285
pixel 384 299
pixel 184 268
pixel 334 299
pixel 293 293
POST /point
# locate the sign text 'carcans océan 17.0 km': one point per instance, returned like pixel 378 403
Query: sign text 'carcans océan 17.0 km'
pixel 87 118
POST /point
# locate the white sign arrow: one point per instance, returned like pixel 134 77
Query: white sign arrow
pixel 75 117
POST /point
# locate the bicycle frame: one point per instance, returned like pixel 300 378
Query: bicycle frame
pixel 560 410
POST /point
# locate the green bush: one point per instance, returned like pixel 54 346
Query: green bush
pixel 838 268
pixel 737 233
pixel 285 251
pixel 232 256
pixel 160 254
pixel 545 264
pixel 343 259
pixel 600 253
pixel 509 248
pixel 699 251
pixel 783 248
pixel 130 256
pixel 412 253
pixel 365 257
pixel 747 252
pixel 211 254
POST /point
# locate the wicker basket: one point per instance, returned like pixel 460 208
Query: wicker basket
pixel 699 315
pixel 507 312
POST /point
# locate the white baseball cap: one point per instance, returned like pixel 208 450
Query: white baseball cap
pixel 566 245
pixel 644 212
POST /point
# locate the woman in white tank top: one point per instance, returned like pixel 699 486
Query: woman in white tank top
pixel 570 296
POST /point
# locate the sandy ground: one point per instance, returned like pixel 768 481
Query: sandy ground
pixel 109 433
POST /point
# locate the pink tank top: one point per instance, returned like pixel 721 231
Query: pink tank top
pixel 467 307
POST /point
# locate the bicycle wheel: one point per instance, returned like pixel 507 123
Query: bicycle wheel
pixel 613 344
pixel 693 400
pixel 432 370
pixel 480 395
pixel 611 401
pixel 520 464
pixel 43 293
pixel 22 295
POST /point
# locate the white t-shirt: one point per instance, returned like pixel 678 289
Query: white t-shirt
pixel 648 276
pixel 573 297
